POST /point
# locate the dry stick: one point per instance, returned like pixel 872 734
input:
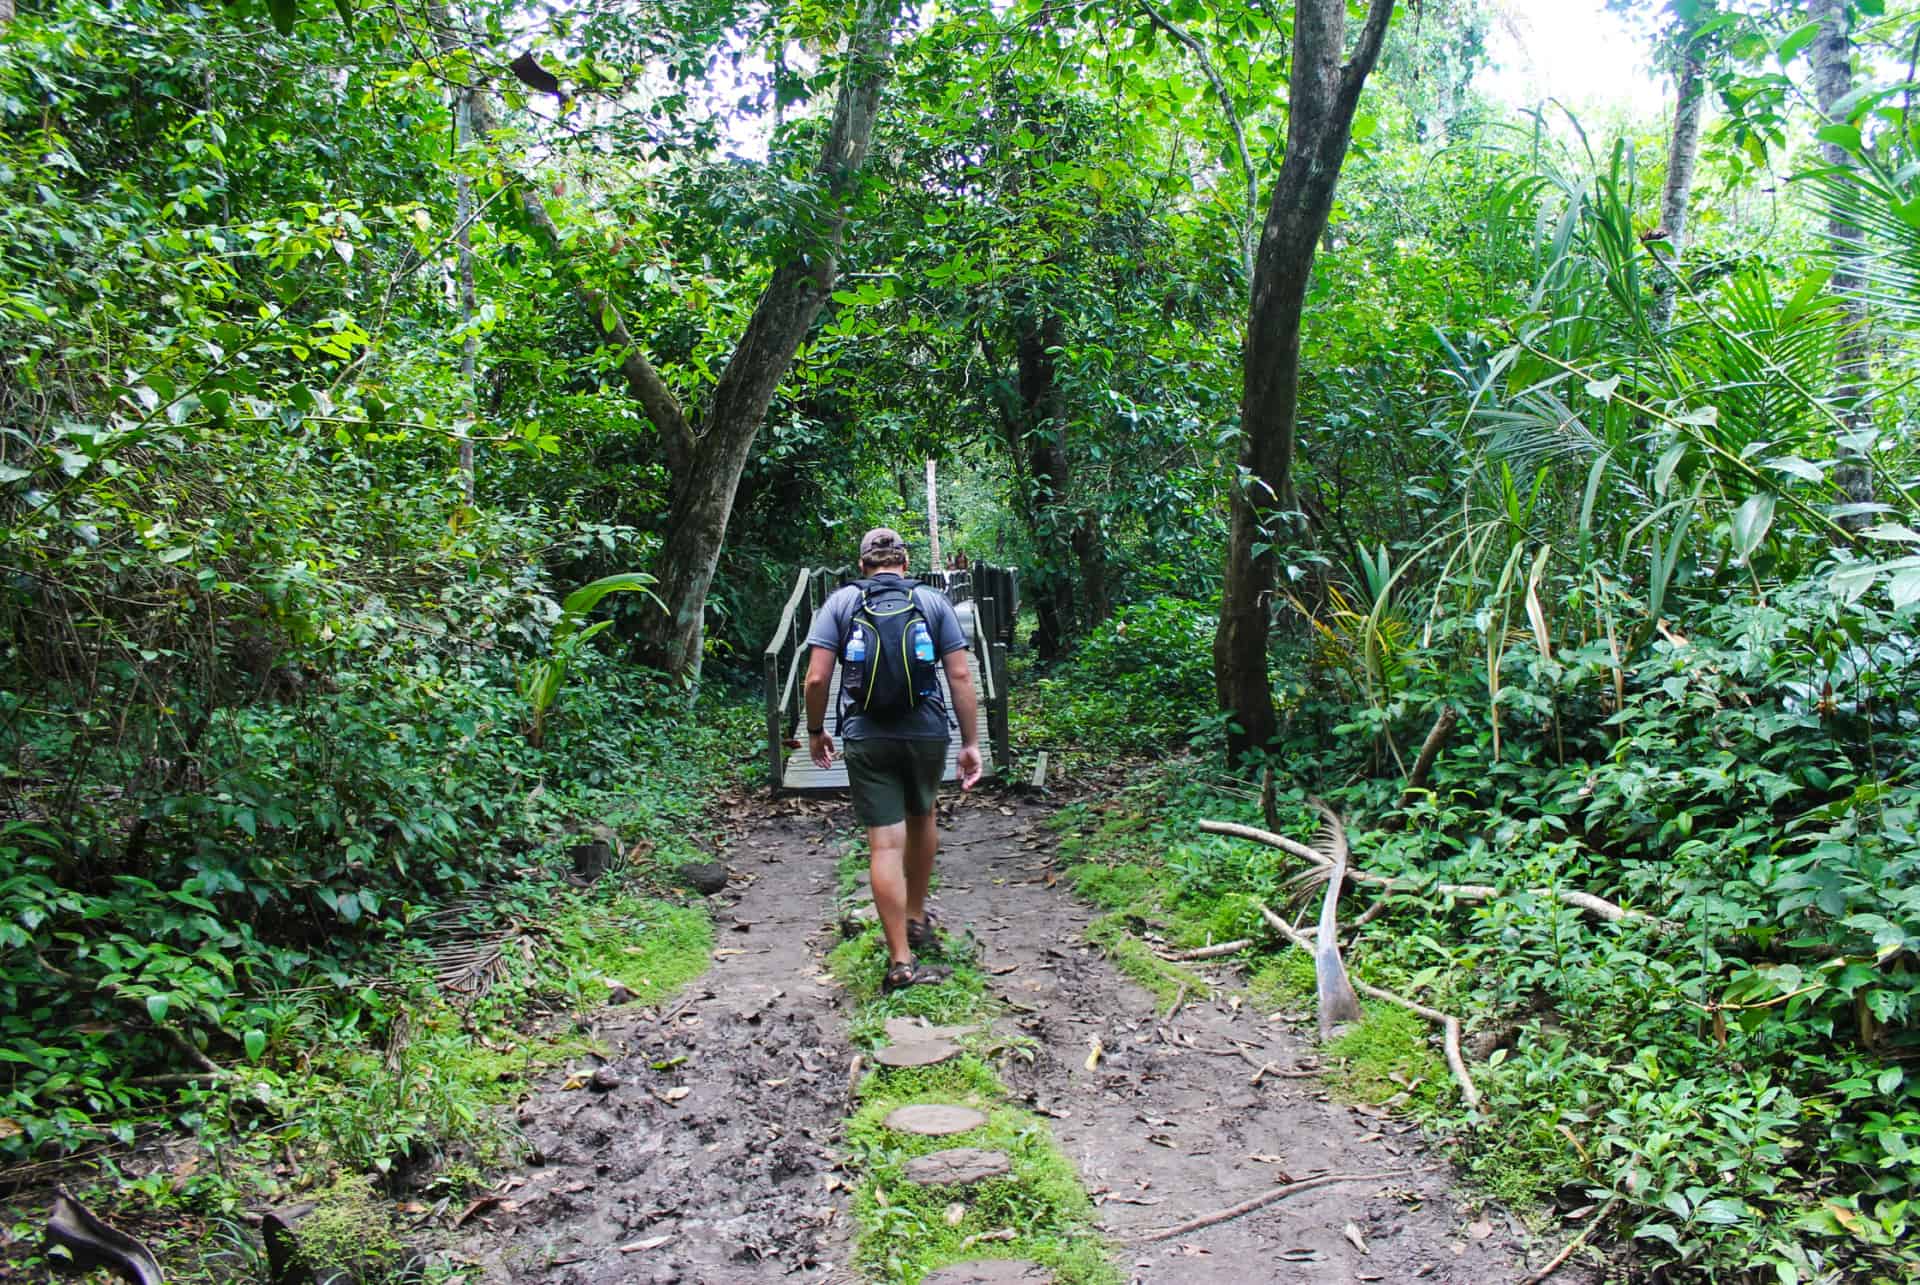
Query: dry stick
pixel 1338 1003
pixel 1600 907
pixel 1264 1199
pixel 1423 765
pixel 1449 1025
pixel 1559 1260
pixel 1211 952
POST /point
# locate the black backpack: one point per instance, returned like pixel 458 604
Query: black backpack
pixel 887 660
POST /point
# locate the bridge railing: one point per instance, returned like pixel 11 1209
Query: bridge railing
pixel 994 593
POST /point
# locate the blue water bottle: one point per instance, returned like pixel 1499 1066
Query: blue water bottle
pixel 857 647
pixel 922 643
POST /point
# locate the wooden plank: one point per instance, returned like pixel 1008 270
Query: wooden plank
pixel 775 750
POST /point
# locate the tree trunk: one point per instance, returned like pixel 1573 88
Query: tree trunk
pixel 463 241
pixel 702 499
pixel 706 465
pixel 1683 152
pixel 1323 97
pixel 933 517
pixel 1048 474
pixel 1833 81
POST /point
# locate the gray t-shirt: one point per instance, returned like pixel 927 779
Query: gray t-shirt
pixel 928 719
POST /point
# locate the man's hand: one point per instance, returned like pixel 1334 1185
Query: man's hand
pixel 821 746
pixel 969 765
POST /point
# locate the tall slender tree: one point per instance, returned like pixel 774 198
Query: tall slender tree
pixel 1832 53
pixel 1683 144
pixel 1325 90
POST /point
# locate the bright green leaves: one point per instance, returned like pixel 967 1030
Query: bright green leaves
pixel 1750 524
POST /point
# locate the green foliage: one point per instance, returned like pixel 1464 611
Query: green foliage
pixel 1136 683
pixel 540 681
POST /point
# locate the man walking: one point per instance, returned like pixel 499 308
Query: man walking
pixel 887 632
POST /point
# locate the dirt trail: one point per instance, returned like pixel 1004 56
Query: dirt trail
pixel 735 1179
pixel 716 1168
pixel 1163 1132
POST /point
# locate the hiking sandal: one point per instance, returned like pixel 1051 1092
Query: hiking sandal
pixel 924 934
pixel 912 973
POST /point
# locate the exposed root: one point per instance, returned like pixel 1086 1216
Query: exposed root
pixel 1449 1025
pixel 1599 907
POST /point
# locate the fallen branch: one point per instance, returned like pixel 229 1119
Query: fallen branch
pixel 1449 1025
pixel 1559 1260
pixel 1338 1004
pixel 1210 952
pixel 1600 907
pixel 1423 765
pixel 1264 1199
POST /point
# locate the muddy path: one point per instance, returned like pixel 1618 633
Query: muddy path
pixel 706 1151
pixel 703 1150
pixel 1168 1125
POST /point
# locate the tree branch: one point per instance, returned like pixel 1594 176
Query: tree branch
pixel 1366 50
pixel 1252 217
pixel 643 381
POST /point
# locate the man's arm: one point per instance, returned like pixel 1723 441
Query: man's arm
pixel 966 711
pixel 819 683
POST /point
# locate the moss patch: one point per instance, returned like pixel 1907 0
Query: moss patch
pixel 651 947
pixel 349 1230
pixel 1136 959
pixel 1284 983
pixel 1384 1055
pixel 907 1231
pixel 910 1230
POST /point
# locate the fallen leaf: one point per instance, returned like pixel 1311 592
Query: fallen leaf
pixel 1353 1235
pixel 1480 1228
pixel 1093 1056
pixel 485 1202
pixel 722 954
pixel 774 1084
pixel 1264 1158
pixel 956 1214
pixel 641 1246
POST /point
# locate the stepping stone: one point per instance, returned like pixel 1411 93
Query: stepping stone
pixel 934 1120
pixel 958 1167
pixel 919 1053
pixel 991 1271
pixel 905 1030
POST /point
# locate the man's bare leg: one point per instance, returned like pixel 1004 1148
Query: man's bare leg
pixel 922 841
pixel 886 870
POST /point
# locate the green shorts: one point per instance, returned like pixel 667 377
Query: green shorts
pixel 893 778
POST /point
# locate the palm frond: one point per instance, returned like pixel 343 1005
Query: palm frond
pixel 1885 261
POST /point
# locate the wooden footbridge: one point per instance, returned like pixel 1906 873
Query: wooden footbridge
pixel 986 598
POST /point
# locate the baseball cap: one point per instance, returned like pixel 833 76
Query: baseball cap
pixel 880 544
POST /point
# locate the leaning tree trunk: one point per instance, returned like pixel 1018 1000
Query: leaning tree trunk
pixel 1323 95
pixel 706 460
pixel 1683 153
pixel 469 308
pixel 702 500
pixel 1833 81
